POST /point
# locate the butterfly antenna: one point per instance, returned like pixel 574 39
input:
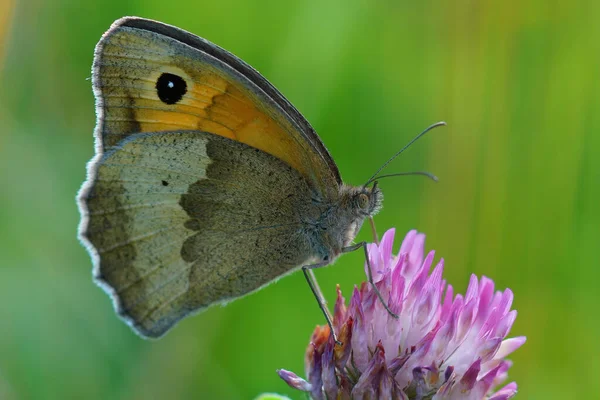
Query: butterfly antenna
pixel 441 123
pixel 423 173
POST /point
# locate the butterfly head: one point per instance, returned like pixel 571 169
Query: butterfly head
pixel 356 204
pixel 367 201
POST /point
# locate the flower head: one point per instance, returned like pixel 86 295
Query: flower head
pixel 442 346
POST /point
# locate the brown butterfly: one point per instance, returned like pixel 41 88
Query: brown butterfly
pixel 207 183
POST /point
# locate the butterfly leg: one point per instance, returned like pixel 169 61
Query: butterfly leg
pixel 370 274
pixel 314 287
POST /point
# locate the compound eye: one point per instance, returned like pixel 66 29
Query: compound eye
pixel 363 200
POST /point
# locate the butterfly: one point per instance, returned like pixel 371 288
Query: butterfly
pixel 207 184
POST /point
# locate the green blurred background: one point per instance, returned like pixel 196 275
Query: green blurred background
pixel 518 198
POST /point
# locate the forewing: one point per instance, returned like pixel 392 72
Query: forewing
pixel 223 96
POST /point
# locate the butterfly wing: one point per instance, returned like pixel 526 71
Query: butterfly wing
pixel 221 94
pixel 202 178
pixel 177 221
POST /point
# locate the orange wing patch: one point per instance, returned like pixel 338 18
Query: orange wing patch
pixel 129 63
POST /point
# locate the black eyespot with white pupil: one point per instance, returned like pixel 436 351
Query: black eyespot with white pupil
pixel 170 88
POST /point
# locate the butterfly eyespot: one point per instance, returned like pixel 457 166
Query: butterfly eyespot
pixel 165 183
pixel 325 258
pixel 170 88
pixel 363 200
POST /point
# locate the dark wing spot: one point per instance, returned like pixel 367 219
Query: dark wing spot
pixel 165 183
pixel 170 88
